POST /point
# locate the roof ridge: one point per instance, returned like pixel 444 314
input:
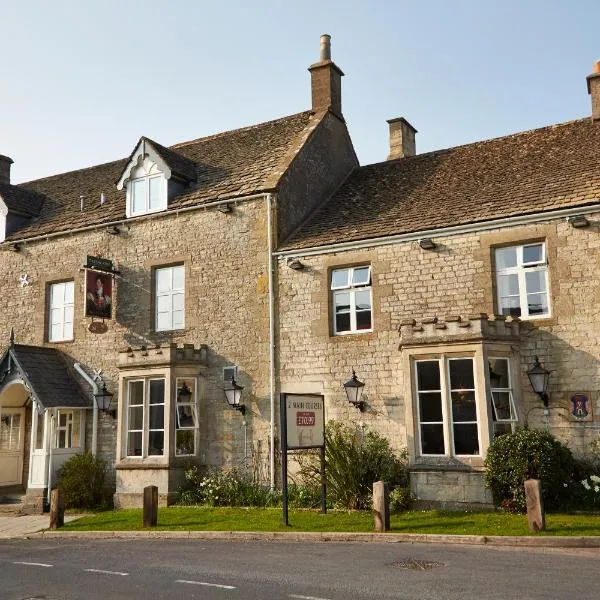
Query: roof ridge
pixel 238 130
pixel 105 164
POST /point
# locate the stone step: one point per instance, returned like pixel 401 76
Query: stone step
pixel 13 508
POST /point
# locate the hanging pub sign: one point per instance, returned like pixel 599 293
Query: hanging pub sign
pixel 99 273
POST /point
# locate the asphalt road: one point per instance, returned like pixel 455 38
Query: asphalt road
pixel 233 570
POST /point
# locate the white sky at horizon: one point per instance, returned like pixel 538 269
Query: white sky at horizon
pixel 82 81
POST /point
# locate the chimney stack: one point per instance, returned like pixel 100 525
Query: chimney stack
pixel 593 87
pixel 402 139
pixel 5 163
pixel 326 81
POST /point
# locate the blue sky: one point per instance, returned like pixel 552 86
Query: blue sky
pixel 81 80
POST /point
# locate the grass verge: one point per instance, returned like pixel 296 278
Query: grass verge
pixel 260 519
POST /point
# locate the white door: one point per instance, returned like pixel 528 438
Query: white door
pixel 12 439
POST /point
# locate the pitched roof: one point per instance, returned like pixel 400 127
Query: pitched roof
pixel 228 165
pixel 179 164
pixel 47 373
pixel 539 170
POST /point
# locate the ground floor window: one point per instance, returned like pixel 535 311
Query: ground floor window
pixel 10 431
pixel 504 414
pixel 186 425
pixel 68 429
pixel 145 417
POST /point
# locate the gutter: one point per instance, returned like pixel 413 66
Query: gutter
pixel 440 232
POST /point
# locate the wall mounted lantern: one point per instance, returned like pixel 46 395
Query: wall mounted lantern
pixel 354 388
pixel 295 264
pixel 103 401
pixel 233 394
pixel 578 221
pixel 427 244
pixel 538 377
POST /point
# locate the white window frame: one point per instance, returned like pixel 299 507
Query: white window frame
pixel 62 310
pixel 511 397
pixel 169 295
pixel 145 431
pixel 163 187
pixel 520 269
pixel 351 290
pixel 70 429
pixel 193 404
pixel 443 363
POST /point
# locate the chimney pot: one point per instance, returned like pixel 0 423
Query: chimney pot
pixel 402 139
pixel 325 47
pixel 593 88
pixel 5 163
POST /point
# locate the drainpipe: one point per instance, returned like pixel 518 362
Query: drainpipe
pixel 94 387
pixel 270 263
pixel 51 445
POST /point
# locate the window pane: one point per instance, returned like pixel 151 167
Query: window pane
pixel 363 320
pixel 156 443
pixel 506 257
pixel 56 333
pixel 75 435
pixel 61 442
pixel 465 439
pixel 157 416
pixel 342 322
pixel 57 294
pixel 178 277
pixel 39 432
pixel 157 391
pixel 62 420
pixel 510 306
pixel 186 416
pixel 163 321
pixel 163 280
pixel 69 292
pixel 502 428
pixel 138 193
pixel 178 301
pixel 508 285
pixel 535 281
pixel 155 192
pixel 339 278
pixel 502 405
pixel 463 406
pixel 163 303
pixel 342 301
pixel 461 374
pixel 136 417
pixel 430 407
pixel 432 439
pixel 360 276
pixel 136 392
pixel 184 443
pixel 499 377
pixel 178 320
pixel 134 443
pixel 428 375
pixel 537 303
pixel 363 299
pixel 532 253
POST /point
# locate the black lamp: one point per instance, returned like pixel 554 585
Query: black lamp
pixel 538 377
pixel 103 400
pixel 233 394
pixel 354 389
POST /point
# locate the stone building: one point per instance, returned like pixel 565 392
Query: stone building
pixel 267 255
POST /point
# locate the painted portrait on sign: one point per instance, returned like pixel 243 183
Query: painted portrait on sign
pixel 98 294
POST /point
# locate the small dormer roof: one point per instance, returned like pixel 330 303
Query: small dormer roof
pixel 22 201
pixel 169 162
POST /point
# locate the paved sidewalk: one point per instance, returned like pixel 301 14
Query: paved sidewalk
pixel 16 526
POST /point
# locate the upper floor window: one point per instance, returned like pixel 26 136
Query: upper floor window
pixel 522 281
pixel 447 407
pixel 169 298
pixel 145 417
pixel 352 300
pixel 147 189
pixel 60 309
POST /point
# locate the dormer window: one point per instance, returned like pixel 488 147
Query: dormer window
pixel 146 189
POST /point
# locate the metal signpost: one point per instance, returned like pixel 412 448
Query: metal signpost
pixel 302 427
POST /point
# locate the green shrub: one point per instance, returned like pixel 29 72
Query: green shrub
pixel 401 499
pixel 528 453
pixel 230 487
pixel 304 495
pixel 354 459
pixel 81 479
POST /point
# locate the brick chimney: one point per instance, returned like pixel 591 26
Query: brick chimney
pixel 5 163
pixel 402 139
pixel 593 87
pixel 326 81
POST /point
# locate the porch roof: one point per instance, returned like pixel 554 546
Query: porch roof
pixel 46 373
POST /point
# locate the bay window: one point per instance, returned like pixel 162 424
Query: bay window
pixel 145 417
pixel 186 425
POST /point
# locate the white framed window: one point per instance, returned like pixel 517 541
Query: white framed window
pixel 68 429
pixel 147 194
pixel 504 413
pixel 522 281
pixel 10 430
pixel 60 311
pixel 145 417
pixel 186 425
pixel 169 298
pixel 352 300
pixel 447 415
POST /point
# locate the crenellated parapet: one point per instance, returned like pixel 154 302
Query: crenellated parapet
pixel 163 354
pixel 456 328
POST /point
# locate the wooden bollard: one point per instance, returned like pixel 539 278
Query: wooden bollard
pixel 536 517
pixel 57 509
pixel 381 506
pixel 150 506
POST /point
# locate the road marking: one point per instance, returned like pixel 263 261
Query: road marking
pixel 217 585
pixel 306 597
pixel 32 564
pixel 105 572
